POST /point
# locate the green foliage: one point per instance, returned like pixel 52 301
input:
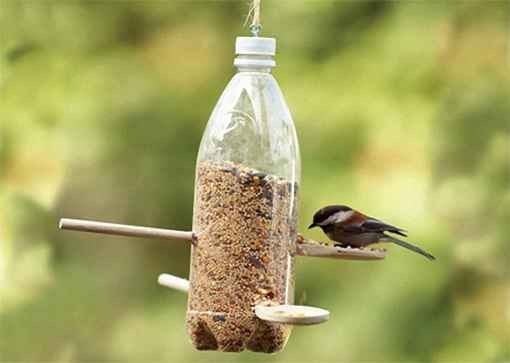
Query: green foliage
pixel 401 110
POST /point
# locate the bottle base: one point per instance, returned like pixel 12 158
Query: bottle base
pixel 211 331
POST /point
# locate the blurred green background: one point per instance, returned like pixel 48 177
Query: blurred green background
pixel 402 112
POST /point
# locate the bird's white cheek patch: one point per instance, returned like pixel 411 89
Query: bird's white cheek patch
pixel 337 217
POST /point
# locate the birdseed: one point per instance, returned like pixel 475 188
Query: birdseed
pixel 246 225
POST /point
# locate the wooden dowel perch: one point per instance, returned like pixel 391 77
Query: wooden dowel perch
pixel 174 282
pixel 126 230
pixel 304 246
pixel 287 314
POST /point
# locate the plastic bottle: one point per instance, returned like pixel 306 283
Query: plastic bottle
pixel 245 211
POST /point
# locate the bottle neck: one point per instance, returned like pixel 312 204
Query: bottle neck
pixel 254 63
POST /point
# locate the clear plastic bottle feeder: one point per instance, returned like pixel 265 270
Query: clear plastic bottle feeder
pixel 245 211
pixel 244 239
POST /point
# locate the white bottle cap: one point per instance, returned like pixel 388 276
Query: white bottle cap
pixel 262 50
pixel 255 45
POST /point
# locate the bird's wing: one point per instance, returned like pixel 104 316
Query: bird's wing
pixel 375 225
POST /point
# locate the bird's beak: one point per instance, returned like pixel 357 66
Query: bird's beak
pixel 312 225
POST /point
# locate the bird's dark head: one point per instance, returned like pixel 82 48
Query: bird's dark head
pixel 330 215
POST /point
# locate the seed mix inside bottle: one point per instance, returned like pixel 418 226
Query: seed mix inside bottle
pixel 246 225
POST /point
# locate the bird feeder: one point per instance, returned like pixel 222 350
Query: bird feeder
pixel 244 240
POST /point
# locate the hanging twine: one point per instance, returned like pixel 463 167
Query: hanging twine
pixel 254 13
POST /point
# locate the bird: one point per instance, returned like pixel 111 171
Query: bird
pixel 349 227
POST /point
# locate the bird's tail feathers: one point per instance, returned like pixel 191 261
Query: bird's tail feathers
pixel 408 246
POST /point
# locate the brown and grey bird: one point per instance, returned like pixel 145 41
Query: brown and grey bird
pixel 352 228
